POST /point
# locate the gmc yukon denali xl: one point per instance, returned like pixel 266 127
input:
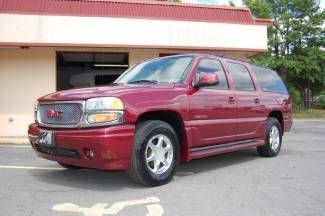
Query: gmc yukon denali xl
pixel 161 112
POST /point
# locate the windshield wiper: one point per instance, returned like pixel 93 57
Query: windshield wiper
pixel 144 81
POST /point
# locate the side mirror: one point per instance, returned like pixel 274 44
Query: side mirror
pixel 206 79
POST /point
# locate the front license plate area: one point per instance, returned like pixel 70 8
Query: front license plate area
pixel 46 138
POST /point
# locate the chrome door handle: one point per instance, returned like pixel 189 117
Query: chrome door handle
pixel 231 100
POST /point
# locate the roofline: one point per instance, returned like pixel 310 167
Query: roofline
pixel 14 7
pixel 151 2
pixel 267 22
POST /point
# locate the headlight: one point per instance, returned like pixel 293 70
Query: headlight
pixel 104 103
pixel 35 110
pixel 104 111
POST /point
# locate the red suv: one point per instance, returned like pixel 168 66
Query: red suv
pixel 161 112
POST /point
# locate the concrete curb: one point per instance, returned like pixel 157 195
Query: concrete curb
pixel 309 120
pixel 15 141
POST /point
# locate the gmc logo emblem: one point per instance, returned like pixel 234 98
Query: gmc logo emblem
pixel 54 113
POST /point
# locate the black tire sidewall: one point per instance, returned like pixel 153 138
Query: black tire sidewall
pixel 149 177
pixel 273 122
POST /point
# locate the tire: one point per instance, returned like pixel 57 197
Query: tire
pixel 272 145
pixel 154 139
pixel 68 166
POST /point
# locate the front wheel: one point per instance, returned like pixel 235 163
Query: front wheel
pixel 155 153
pixel 273 139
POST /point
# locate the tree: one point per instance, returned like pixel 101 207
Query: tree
pixel 296 43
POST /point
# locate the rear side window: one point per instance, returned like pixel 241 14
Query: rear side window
pixel 241 77
pixel 269 80
pixel 213 66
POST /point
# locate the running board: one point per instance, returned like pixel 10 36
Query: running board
pixel 200 152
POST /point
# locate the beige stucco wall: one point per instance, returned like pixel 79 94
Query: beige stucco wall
pixel 25 74
pixel 136 56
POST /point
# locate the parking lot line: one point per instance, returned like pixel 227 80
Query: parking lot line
pixel 101 209
pixel 31 168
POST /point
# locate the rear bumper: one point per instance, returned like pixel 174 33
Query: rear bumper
pixel 112 146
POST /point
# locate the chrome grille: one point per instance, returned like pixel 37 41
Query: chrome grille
pixel 67 113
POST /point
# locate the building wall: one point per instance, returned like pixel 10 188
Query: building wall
pixel 130 32
pixel 136 56
pixel 25 75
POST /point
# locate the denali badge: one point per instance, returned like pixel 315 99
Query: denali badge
pixel 54 113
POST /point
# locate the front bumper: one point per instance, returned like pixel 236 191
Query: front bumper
pixel 112 146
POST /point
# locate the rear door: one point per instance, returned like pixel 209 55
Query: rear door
pixel 250 111
pixel 213 108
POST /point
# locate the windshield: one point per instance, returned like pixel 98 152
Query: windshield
pixel 164 70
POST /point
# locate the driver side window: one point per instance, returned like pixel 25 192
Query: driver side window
pixel 213 66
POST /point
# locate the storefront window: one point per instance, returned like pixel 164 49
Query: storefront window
pixel 76 69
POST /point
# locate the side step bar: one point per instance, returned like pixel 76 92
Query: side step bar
pixel 200 152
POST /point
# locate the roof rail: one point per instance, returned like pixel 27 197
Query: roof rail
pixel 218 54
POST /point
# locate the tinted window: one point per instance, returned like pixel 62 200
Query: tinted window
pixel 241 77
pixel 213 66
pixel 269 80
pixel 162 70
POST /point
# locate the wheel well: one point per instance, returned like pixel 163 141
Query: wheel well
pixel 279 116
pixel 173 118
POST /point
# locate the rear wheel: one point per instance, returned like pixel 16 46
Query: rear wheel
pixel 273 139
pixel 68 166
pixel 155 153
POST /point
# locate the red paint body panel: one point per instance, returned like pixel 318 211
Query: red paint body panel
pixel 112 146
pixel 213 119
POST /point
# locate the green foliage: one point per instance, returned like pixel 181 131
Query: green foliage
pixel 296 43
pixel 320 103
pixel 231 3
pixel 295 96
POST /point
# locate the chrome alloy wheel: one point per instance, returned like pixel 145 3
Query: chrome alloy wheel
pixel 274 138
pixel 159 154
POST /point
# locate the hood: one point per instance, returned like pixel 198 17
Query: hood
pixel 116 90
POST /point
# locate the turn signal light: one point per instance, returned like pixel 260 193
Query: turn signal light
pixel 102 117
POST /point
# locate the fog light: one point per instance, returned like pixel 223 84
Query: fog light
pixel 89 154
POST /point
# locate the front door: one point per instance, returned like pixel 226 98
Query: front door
pixel 213 108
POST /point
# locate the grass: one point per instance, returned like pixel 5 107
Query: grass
pixel 309 114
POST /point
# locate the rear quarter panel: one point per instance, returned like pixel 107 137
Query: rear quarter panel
pixel 279 102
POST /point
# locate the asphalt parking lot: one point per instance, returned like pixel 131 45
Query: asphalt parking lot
pixel 239 183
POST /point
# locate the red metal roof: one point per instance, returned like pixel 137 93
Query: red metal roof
pixel 132 9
